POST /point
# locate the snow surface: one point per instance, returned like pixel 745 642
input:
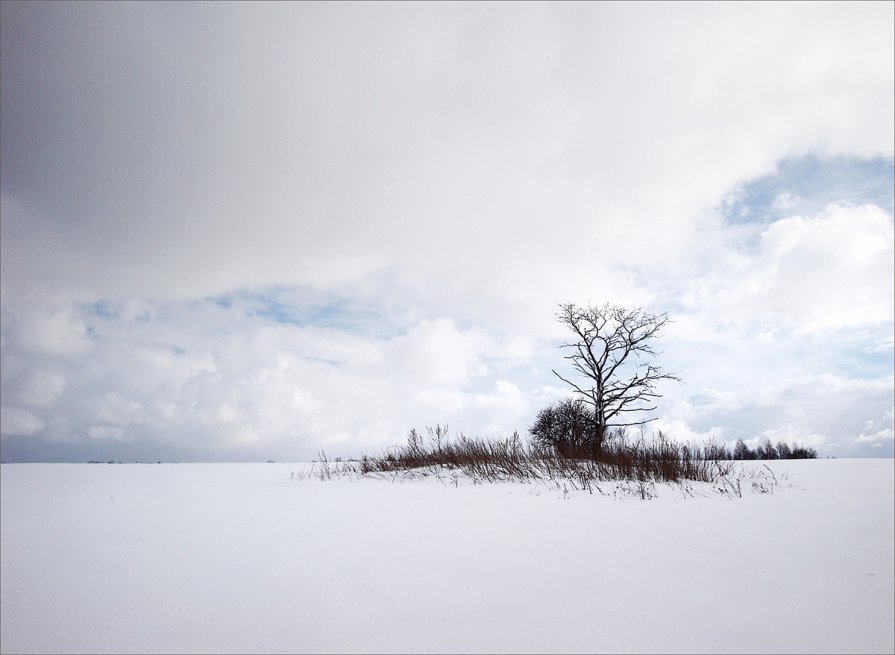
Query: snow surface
pixel 246 558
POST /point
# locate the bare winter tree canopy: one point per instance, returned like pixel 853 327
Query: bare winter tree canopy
pixel 612 350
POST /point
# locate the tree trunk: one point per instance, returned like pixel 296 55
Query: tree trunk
pixel 599 434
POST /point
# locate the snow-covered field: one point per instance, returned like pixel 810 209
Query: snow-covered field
pixel 244 558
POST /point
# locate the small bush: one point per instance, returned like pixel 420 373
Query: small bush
pixel 569 428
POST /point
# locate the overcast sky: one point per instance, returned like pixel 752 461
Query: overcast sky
pixel 257 231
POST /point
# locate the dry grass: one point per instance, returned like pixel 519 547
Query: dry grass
pixel 641 461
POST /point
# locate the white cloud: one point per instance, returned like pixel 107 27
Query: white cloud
pixel 791 435
pixel 784 201
pixel 415 132
pixel 115 409
pixel 104 432
pixel 681 432
pixel 15 421
pixel 875 432
pixel 40 388
pixel 57 332
pixel 261 384
pixel 832 271
pixel 437 352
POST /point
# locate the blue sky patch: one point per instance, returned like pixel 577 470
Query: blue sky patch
pixel 805 185
pixel 307 307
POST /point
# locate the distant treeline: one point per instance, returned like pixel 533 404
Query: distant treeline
pixel 112 461
pixel 767 450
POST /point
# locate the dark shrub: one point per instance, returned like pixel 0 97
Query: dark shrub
pixel 567 428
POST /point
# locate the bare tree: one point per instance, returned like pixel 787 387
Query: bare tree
pixel 783 450
pixel 742 451
pixel 611 349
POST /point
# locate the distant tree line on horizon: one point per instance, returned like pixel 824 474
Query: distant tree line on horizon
pixel 767 450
